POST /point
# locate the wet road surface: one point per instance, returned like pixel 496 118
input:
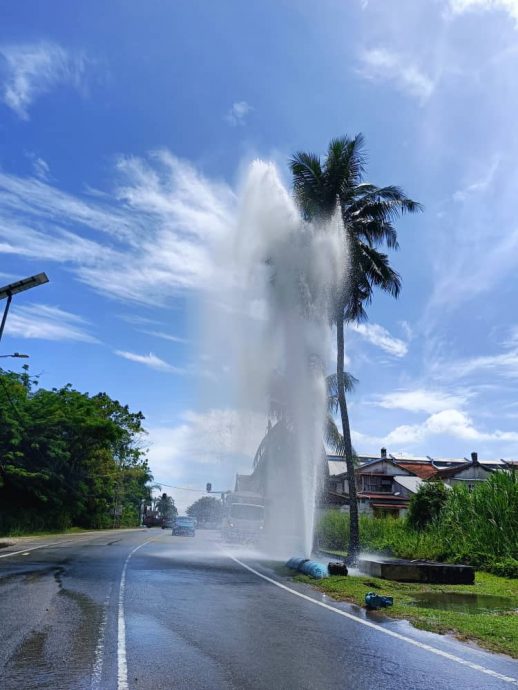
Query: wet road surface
pixel 124 610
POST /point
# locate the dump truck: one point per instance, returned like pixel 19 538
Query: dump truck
pixel 243 519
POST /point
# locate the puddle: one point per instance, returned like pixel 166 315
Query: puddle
pixel 463 602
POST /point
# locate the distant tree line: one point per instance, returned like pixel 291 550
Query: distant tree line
pixel 206 509
pixel 67 458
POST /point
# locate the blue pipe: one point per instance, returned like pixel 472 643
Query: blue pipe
pixel 308 567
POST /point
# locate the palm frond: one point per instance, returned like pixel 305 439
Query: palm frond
pixel 333 438
pixel 350 383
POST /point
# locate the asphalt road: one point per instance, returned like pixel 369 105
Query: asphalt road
pixel 141 609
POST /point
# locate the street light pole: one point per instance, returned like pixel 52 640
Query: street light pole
pixel 14 288
pixel 4 317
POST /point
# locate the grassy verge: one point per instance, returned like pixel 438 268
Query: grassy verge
pixel 494 631
pixel 18 533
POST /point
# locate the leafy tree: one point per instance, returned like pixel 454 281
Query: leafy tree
pixel 368 213
pixel 67 458
pixel 166 507
pixel 426 505
pixel 206 509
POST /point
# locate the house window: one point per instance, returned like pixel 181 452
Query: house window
pixel 377 484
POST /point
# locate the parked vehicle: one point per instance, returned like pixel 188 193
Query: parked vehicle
pixel 184 526
pixel 153 519
pixel 244 517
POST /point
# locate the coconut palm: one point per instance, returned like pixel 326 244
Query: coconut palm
pixel 368 213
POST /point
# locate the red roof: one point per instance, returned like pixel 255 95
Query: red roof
pixel 420 469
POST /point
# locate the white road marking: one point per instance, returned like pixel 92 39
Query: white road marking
pixel 25 552
pixel 122 664
pixel 99 649
pixel 379 628
pixel 81 538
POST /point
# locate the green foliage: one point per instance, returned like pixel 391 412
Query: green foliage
pixel 427 504
pixel 166 507
pixel 479 528
pixel 206 509
pixel 67 458
pixel 505 568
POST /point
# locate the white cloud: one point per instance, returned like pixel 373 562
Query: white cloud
pixel 46 322
pixel 145 243
pixel 237 114
pixel 380 64
pixel 28 71
pixel 482 184
pixel 450 422
pixel 379 336
pixel 166 336
pixel 420 400
pixel 150 360
pixel 509 6
pixel 205 446
pixel 41 169
pixel 504 364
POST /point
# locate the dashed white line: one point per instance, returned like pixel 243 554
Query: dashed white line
pixel 385 631
pixel 122 663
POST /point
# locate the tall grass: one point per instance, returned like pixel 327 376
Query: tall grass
pixel 480 528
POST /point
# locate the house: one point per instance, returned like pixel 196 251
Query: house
pixel 384 486
pixel 471 472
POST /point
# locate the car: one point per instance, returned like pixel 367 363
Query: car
pixel 184 526
pixel 167 522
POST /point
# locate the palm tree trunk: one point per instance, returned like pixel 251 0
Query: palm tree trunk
pixel 354 528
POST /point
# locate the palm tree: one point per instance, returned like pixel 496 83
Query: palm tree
pixel 368 213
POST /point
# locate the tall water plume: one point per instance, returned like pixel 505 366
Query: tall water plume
pixel 281 276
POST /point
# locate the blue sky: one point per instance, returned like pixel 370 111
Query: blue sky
pixel 124 129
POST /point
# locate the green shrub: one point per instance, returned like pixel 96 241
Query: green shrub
pixel 426 505
pixel 479 528
pixel 505 568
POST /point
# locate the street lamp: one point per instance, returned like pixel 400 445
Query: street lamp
pixel 16 355
pixel 14 288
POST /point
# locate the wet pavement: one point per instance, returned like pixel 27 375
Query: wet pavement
pixel 143 609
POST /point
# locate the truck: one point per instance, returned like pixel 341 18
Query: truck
pixel 243 518
pixel 152 518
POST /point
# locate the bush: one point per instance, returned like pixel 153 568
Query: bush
pixel 505 568
pixel 426 505
pixel 478 528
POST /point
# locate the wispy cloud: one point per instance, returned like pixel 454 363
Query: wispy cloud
pixel 27 71
pixel 509 6
pixel 380 64
pixel 166 336
pixel 150 360
pixel 147 241
pixel 47 322
pixel 480 185
pixel 380 337
pixel 237 114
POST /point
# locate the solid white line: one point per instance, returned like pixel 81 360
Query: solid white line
pixel 122 664
pixel 84 536
pixel 379 628
pixel 42 546
pixel 99 649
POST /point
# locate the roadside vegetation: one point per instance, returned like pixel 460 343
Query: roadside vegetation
pixel 479 528
pixel 495 630
pixel 67 459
